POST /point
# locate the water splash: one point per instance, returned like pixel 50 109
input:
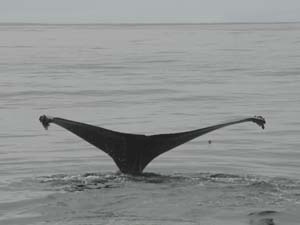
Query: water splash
pixel 272 189
pixel 82 182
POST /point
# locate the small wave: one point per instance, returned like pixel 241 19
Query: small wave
pixel 158 178
pixel 105 180
pixel 278 189
pixel 264 217
pixel 82 182
pixel 264 186
pixel 263 213
pixel 264 221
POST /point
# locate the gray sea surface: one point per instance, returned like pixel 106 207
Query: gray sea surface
pixel 151 79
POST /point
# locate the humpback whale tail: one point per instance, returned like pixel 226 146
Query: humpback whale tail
pixel 133 152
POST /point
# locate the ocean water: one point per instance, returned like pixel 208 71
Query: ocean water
pixel 151 79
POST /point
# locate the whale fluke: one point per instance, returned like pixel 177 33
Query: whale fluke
pixel 133 152
pixel 46 120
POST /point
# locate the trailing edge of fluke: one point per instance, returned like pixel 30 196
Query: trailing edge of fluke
pixel 133 152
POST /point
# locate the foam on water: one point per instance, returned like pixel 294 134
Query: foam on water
pixel 281 189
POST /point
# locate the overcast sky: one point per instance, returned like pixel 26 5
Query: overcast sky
pixel 149 11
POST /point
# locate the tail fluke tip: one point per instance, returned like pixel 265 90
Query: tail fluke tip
pixel 46 120
pixel 260 121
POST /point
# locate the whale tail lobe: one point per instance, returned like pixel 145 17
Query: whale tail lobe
pixel 133 152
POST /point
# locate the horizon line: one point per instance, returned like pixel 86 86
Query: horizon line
pixel 147 23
